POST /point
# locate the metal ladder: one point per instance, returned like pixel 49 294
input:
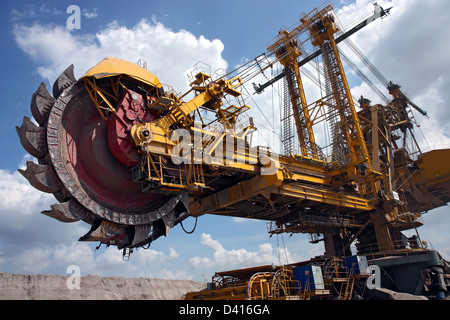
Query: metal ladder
pixel 346 291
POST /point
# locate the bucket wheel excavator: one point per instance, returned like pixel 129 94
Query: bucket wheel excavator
pixel 133 158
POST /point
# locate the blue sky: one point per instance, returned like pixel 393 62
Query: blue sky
pixel 171 36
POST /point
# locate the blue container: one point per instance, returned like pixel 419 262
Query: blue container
pixel 357 263
pixel 308 277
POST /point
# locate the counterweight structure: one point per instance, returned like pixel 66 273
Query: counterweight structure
pixel 134 158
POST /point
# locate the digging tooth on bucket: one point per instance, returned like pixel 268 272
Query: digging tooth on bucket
pixel 32 138
pixel 42 177
pixel 41 103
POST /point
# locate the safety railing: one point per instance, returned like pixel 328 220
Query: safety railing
pixel 405 246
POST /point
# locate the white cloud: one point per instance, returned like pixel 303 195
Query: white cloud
pixel 239 220
pixel 29 11
pixel 90 14
pixel 16 194
pixel 223 258
pixel 36 260
pixel 46 10
pixel 432 131
pixel 173 254
pixel 169 55
pixel 26 236
pixel 33 243
pixel 177 275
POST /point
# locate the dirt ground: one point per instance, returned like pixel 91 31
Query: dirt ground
pixel 51 287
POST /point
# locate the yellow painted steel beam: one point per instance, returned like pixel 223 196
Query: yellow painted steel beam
pixel 237 292
pixel 238 192
pixel 275 184
pixel 179 113
pixel 287 51
pixel 358 141
pixel 311 179
pixel 94 91
pixel 322 195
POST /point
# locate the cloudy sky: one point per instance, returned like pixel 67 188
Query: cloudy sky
pixel 408 47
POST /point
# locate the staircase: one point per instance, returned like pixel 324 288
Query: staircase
pixel 346 291
pixel 287 137
pixel 293 107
